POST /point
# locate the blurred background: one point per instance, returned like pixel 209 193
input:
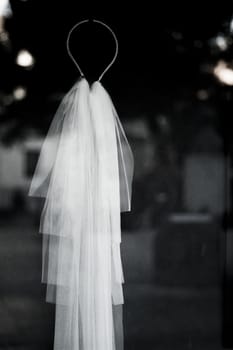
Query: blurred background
pixel 172 87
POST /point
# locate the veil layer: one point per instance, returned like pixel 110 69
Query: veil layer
pixel 84 172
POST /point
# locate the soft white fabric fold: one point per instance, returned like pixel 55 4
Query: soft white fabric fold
pixel 85 172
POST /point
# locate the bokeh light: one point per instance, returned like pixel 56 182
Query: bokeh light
pixel 19 93
pixel 224 73
pixel 25 59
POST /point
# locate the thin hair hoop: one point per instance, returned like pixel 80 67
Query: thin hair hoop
pixel 72 57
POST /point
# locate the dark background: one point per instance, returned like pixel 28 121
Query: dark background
pixel 163 52
pixel 177 259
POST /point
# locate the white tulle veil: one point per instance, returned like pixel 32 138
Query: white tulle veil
pixel 84 172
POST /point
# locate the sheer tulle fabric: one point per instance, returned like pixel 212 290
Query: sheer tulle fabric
pixel 85 172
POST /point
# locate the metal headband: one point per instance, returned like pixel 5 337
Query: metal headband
pixel 72 57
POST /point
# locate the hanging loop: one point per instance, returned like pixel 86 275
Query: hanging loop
pixel 72 57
